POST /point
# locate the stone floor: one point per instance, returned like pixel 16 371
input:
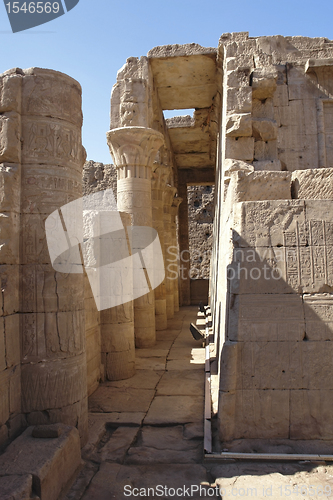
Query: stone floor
pixel 146 436
pixel 148 431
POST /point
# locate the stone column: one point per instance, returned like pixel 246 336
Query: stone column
pixel 134 150
pixel 160 175
pixel 169 194
pixel 117 336
pixel 10 207
pixel 174 237
pixel 54 372
pixel 185 290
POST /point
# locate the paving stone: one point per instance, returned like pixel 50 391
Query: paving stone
pixel 185 364
pixel 195 354
pixel 111 480
pixel 154 364
pixel 116 447
pixel 151 353
pixel 165 438
pixel 141 455
pixel 110 399
pixel 174 410
pixel 143 379
pixel 181 383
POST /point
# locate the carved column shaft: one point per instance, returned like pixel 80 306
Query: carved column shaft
pixel 184 245
pixel 54 386
pixel 169 194
pixel 174 236
pixel 134 150
pixel 117 336
pixel 158 183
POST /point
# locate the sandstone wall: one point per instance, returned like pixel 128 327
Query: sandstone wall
pixel 271 279
pixel 201 215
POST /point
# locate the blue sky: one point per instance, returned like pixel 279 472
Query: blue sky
pixel 93 40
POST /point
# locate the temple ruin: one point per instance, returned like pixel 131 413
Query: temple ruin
pixel 261 142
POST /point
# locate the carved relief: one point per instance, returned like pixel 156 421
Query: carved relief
pixel 51 141
pixel 309 266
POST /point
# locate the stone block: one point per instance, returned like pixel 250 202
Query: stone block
pixel 10 93
pixel 314 184
pixel 266 318
pixel 4 397
pixel 254 414
pixel 10 187
pixel 318 317
pixel 240 148
pixel 271 223
pixel 51 94
pixel 15 390
pixel 238 77
pixel 117 337
pixel 264 82
pixel 271 165
pixel 263 109
pixel 239 125
pixel 17 487
pixel 265 150
pixel 2 346
pixel 264 130
pixel 56 384
pixel 9 238
pixel 311 414
pixel 10 137
pixel 52 462
pixel 10 285
pixel 46 188
pixel 45 290
pixel 264 185
pixel 239 100
pixel 281 97
pixel 231 165
pixel 92 315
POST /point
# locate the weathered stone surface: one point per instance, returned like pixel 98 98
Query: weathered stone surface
pixel 10 144
pixel 47 431
pixel 264 83
pixel 108 399
pixel 261 185
pixel 143 379
pixel 117 446
pixel 239 100
pixel 240 148
pixel 272 165
pixel 10 93
pixel 316 184
pixel 264 130
pixel 181 383
pixel 239 125
pixel 16 487
pixel 52 462
pixel 174 410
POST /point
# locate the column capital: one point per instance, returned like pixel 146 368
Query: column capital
pixel 134 146
pixel 160 176
pixel 169 193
